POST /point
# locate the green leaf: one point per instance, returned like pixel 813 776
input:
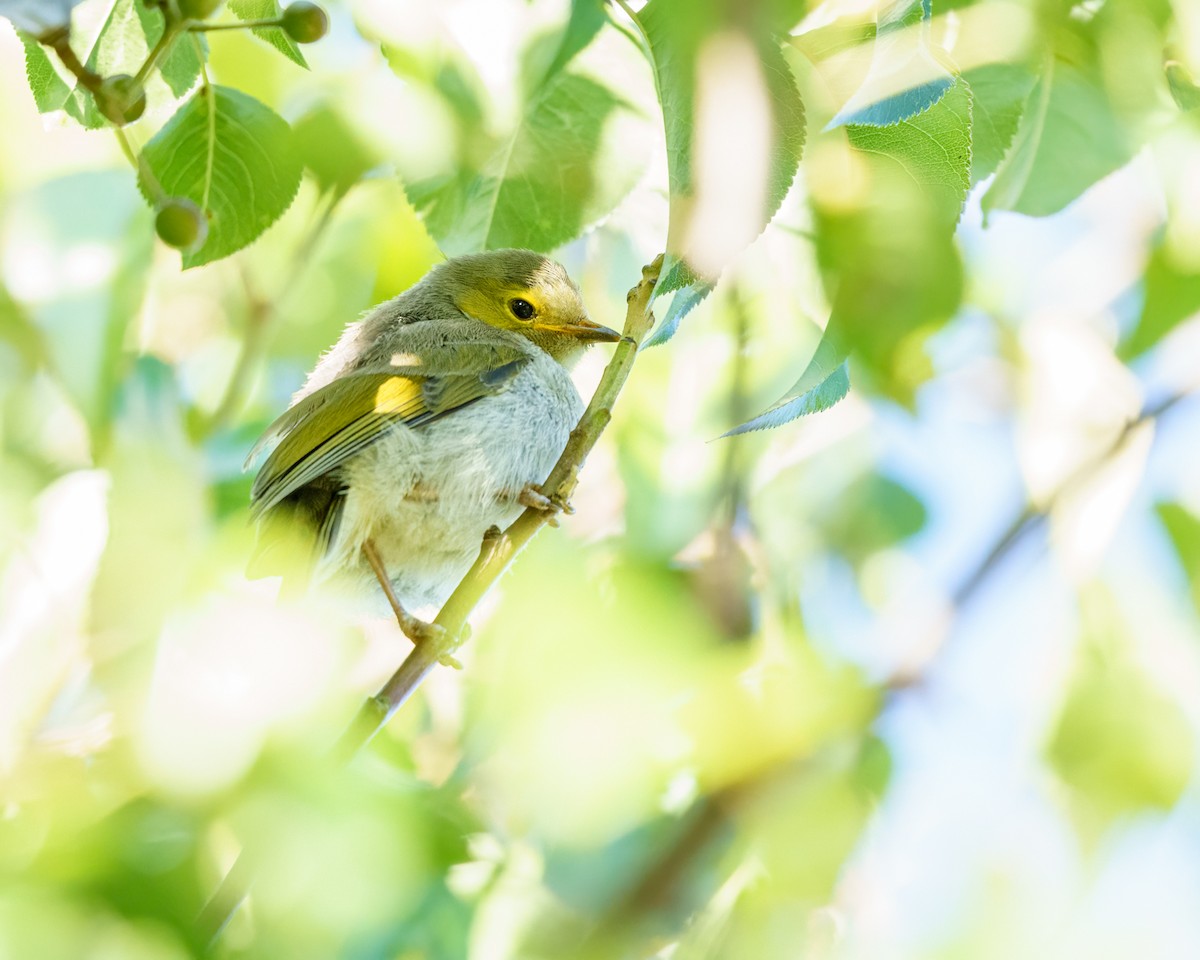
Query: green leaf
pixel 678 30
pixel 905 78
pixel 1184 90
pixel 1000 91
pixel 1121 744
pixel 587 17
pixel 933 148
pixel 824 382
pixel 685 301
pixel 1172 295
pixel 888 258
pixel 49 89
pixel 871 514
pixel 1068 139
pixel 275 36
pixel 255 169
pixel 1183 527
pixel 331 150
pixel 122 44
pixel 576 149
pixel 827 40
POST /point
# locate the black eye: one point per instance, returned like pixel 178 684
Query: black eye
pixel 521 309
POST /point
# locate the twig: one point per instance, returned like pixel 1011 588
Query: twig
pixel 496 553
pixel 1027 520
pixel 259 319
pixel 60 42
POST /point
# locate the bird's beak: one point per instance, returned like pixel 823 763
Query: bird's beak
pixel 581 329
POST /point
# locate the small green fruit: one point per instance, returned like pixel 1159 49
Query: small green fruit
pixel 181 224
pixel 197 9
pixel 305 22
pixel 121 98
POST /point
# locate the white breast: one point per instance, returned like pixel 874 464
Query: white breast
pixel 426 496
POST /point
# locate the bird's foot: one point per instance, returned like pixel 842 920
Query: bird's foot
pixel 532 496
pixel 423 631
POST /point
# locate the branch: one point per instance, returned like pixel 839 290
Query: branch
pixel 497 552
pixel 260 313
pixel 1028 519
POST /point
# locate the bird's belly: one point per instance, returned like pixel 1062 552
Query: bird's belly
pixel 425 497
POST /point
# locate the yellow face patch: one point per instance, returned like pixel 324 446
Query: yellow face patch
pixel 491 305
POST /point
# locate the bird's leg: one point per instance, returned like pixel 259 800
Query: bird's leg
pixel 533 496
pixel 416 629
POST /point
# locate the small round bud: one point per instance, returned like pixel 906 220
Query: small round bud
pixel 121 98
pixel 181 224
pixel 304 22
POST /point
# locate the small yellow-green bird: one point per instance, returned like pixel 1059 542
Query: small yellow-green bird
pixel 430 420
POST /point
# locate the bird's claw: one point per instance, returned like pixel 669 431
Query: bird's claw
pixel 422 631
pixel 532 496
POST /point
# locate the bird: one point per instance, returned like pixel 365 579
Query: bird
pixel 431 420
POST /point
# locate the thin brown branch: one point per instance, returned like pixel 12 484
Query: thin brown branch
pixel 1029 519
pixel 60 42
pixel 260 313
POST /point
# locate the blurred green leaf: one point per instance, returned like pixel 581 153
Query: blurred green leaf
pixel 889 258
pixel 574 153
pixel 275 36
pixel 255 170
pixel 901 55
pixel 93 218
pixel 844 33
pixel 1068 139
pixel 158 507
pixel 677 31
pixel 1172 295
pixel 1183 527
pixel 335 154
pixel 586 19
pixel 1121 744
pixel 1184 90
pixel 873 513
pixel 999 93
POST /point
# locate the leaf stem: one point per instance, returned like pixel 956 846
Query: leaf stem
pixel 165 42
pixel 137 161
pixel 60 42
pixel 643 39
pixel 211 100
pixel 201 26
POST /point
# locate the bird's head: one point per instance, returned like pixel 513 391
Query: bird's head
pixel 526 293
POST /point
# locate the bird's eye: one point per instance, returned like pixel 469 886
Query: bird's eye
pixel 521 309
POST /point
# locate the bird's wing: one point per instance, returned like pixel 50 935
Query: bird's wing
pixel 324 429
